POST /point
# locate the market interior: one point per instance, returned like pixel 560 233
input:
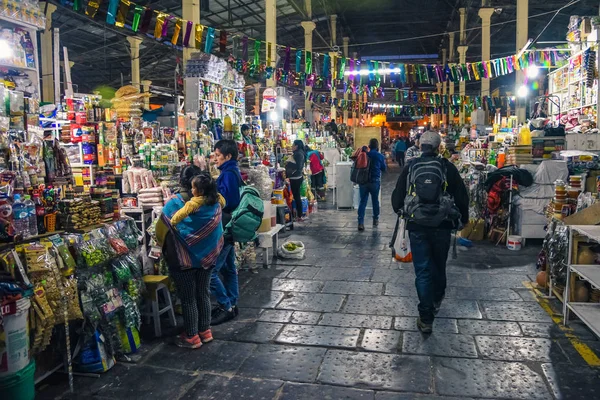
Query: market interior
pixel 223 199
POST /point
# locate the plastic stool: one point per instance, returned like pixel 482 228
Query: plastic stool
pixel 155 284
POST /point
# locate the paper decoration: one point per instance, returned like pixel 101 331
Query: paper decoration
pixel 76 5
pixel 137 17
pixel 245 48
pixel 146 19
pixel 158 26
pixel 308 63
pixel 298 60
pixel 176 31
pixel 198 36
pixel 223 41
pixel 286 60
pixel 256 60
pixel 111 13
pixel 92 8
pixel 122 13
pixel 268 63
pixel 326 65
pixel 188 33
pixel 210 37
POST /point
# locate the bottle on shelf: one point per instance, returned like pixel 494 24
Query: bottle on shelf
pixel 21 218
pixel 31 215
pixel 40 212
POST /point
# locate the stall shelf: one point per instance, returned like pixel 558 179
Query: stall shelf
pixel 589 313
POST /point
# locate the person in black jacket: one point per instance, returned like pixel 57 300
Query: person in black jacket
pixel 294 171
pixel 430 244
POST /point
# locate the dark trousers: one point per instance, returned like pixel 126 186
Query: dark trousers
pixel 400 158
pixel 430 252
pixel 296 184
pixel 317 183
pixel 193 288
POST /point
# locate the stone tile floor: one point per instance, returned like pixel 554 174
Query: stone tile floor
pixel 340 324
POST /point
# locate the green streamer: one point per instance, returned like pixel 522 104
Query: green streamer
pixel 308 62
pixel 342 67
pixel 137 16
pixel 256 52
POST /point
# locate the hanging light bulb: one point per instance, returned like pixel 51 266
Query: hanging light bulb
pixel 533 71
pixel 523 91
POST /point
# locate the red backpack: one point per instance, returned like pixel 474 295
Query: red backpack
pixel 361 170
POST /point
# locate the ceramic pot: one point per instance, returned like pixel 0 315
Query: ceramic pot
pixel 586 255
pixel 582 293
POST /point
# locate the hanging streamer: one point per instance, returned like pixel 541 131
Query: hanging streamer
pixel 308 62
pixel 158 26
pixel 236 47
pixel 286 60
pixel 298 61
pixel 137 17
pixel 210 37
pixel 76 5
pixel 176 31
pixel 111 13
pixel 256 60
pixel 146 19
pixel 122 13
pixel 198 36
pixel 165 27
pixel 92 8
pixel 223 41
pixel 343 62
pixel 268 55
pixel 188 33
pixel 334 69
pixel 326 65
pixel 245 48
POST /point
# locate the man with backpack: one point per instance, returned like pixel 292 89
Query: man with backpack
pixel 375 166
pixel 224 280
pixel 432 197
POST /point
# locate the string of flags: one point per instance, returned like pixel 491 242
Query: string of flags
pixel 298 67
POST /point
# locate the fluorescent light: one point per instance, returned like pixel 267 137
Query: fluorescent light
pixel 522 91
pixel 381 71
pixel 274 115
pixel 283 103
pixel 533 71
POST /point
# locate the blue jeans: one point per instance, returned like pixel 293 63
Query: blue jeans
pixel 225 287
pixel 366 190
pixel 430 252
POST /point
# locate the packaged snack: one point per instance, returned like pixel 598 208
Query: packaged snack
pixel 95 251
pixel 118 244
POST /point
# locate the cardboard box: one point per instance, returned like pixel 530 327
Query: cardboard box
pixel 587 216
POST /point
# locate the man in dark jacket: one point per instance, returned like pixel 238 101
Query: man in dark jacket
pixel 294 171
pixel 430 244
pixel 378 166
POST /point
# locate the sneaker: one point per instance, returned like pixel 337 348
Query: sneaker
pixel 206 336
pixel 361 227
pixel 236 310
pixel 423 327
pixel 222 316
pixel 186 342
pixel 375 223
pixel 302 219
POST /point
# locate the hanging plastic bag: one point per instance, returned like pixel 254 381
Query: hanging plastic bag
pixel 293 250
pixel 402 251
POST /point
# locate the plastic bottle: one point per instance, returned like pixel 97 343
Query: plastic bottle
pixel 31 215
pixel 21 219
pixel 40 212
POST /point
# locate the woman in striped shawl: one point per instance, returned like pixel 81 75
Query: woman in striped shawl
pixel 191 250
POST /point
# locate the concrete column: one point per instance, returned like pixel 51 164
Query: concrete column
pixel 463 25
pixel 451 59
pixel 271 35
pixel 134 46
pixel 309 27
pixel 308 8
pixel 462 52
pixel 256 99
pixel 190 11
pixel 345 78
pixel 333 30
pixel 486 17
pixel 522 33
pixel 47 59
pixel 146 87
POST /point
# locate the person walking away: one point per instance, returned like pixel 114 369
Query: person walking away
pixel 414 151
pixel 377 166
pixel 315 159
pixel 191 252
pixel 224 281
pixel 294 172
pixel 400 149
pixel 432 196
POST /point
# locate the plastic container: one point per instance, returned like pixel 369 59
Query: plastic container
pixel 19 385
pixel 20 217
pixel 14 343
pixel 305 206
pixel 31 215
pixel 514 243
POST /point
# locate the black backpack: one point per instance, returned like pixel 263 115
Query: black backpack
pixel 360 174
pixel 427 203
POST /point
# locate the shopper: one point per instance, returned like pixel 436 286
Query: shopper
pixel 433 198
pixel 199 199
pixel 224 282
pixel 377 166
pixel 400 149
pixel 294 171
pixel 315 160
pixel 414 151
pixel 190 259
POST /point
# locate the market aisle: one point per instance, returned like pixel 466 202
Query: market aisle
pixel 341 323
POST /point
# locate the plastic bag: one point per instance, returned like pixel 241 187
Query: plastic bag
pixel 292 250
pixel 402 251
pixel 118 244
pixel 95 252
